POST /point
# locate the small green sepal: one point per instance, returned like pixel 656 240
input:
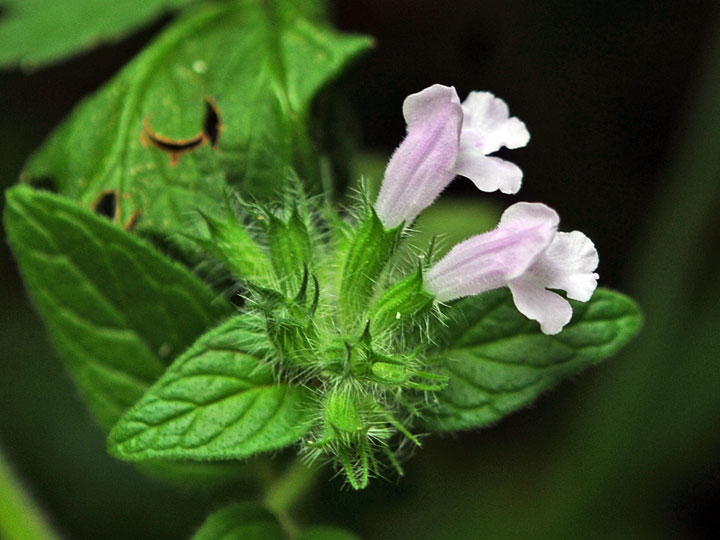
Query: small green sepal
pixel 231 242
pixel 401 304
pixel 290 247
pixel 290 322
pixel 368 255
pixel 356 427
pixel 341 414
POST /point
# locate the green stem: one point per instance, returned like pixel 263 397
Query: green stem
pixel 20 519
pixel 287 490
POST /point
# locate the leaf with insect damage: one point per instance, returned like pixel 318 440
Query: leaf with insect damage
pixel 221 98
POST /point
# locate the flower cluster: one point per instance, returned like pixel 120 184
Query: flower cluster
pixel 526 253
pixel 339 324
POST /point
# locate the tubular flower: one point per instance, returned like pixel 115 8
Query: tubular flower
pixel 527 254
pixel 446 138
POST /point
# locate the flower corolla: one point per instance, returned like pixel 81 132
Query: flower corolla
pixel 446 138
pixel 527 254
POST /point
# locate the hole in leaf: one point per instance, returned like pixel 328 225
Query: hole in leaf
pixel 175 147
pixel 213 125
pixel 107 204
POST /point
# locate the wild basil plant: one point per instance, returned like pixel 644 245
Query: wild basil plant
pixel 214 302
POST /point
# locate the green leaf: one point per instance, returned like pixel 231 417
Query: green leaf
pixel 259 63
pixel 498 361
pixel 115 308
pixel 37 32
pixel 241 521
pixel 218 400
pixel 325 532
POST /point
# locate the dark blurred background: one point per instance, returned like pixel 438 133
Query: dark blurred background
pixel 622 100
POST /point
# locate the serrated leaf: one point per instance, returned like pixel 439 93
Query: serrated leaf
pixel 326 532
pixel 115 308
pixel 218 400
pixel 38 32
pixel 498 361
pixel 241 521
pixel 257 64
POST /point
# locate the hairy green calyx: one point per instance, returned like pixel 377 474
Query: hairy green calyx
pixel 342 323
pixel 340 348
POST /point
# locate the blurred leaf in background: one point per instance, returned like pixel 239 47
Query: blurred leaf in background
pixel 247 520
pixel 658 425
pixel 34 33
pixel 14 502
pixel 117 310
pixel 249 69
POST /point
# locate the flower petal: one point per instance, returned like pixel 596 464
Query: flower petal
pixel 422 166
pixel 526 214
pixel 568 264
pixel 531 298
pixel 487 125
pixel 433 99
pixel 489 173
pixel 487 261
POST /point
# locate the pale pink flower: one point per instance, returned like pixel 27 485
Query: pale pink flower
pixel 446 138
pixel 527 254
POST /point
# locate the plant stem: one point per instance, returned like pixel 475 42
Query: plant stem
pixel 20 518
pixel 287 490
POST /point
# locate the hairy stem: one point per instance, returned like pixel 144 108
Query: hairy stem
pixel 20 518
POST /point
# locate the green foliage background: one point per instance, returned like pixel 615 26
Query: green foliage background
pixel 628 450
